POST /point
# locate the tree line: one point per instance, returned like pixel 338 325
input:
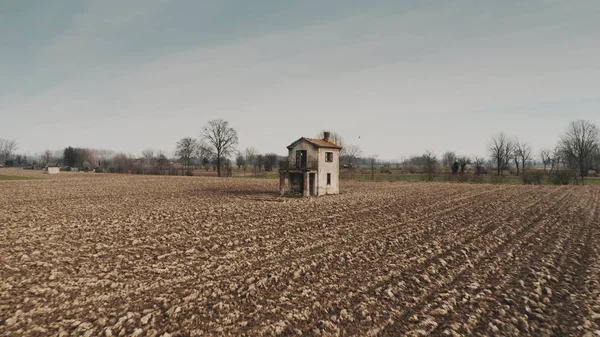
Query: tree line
pixel 576 152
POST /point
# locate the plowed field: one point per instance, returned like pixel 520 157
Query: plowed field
pixel 113 255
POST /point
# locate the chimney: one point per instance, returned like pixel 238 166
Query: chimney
pixel 326 135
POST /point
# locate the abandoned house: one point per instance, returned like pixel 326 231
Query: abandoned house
pixel 312 167
pixel 52 168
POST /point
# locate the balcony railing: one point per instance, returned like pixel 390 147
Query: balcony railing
pixel 290 165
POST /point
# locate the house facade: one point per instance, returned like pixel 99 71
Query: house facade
pixel 312 167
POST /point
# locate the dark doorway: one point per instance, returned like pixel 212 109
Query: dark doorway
pixel 311 183
pixel 296 182
pixel 301 158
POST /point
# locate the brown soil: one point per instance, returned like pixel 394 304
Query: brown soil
pixel 117 255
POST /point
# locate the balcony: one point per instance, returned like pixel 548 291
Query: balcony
pixel 297 165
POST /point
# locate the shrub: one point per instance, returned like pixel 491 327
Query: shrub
pixel 496 179
pixel 477 179
pixel 532 177
pixel 560 177
pixel 455 167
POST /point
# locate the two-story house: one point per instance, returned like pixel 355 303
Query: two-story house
pixel 312 168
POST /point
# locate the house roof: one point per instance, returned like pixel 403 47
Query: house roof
pixel 316 142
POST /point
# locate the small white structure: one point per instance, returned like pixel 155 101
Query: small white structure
pixel 313 167
pixel 52 169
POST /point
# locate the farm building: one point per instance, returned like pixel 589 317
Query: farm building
pixel 52 168
pixel 312 167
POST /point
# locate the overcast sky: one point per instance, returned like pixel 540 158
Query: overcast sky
pixel 393 77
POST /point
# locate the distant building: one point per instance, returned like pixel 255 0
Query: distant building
pixel 52 168
pixel 312 167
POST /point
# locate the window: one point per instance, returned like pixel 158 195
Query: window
pixel 329 157
pixel 328 178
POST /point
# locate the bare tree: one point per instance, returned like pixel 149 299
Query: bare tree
pixel 351 152
pixel 249 157
pixel 579 143
pixel 522 152
pixel 478 162
pixel 202 152
pixel 46 157
pixel 595 161
pixel 430 163
pixel 372 162
pixel 259 163
pixel 546 157
pixel 104 158
pixel 239 160
pixel 499 150
pixel 149 159
pixel 185 151
pixel 7 148
pixel 448 159
pixel 556 158
pixel 516 158
pixel 270 161
pixel 222 138
pixel 162 162
pixel 122 163
pixel 463 161
pixel 148 155
pixel 88 160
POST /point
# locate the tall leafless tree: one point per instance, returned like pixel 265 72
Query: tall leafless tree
pixel 463 161
pixel 104 157
pixel 149 158
pixel 122 163
pixel 46 157
pixel 430 163
pixel 7 148
pixel 448 159
pixel 223 139
pixel 270 161
pixel 478 163
pixel 522 152
pixel 499 150
pixel 162 162
pixel 372 163
pixel 202 152
pixel 239 160
pixel 185 151
pixel 516 158
pixel 556 158
pixel 351 152
pixel 579 143
pixel 250 154
pixel 546 157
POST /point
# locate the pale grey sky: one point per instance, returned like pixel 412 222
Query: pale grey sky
pixel 404 76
